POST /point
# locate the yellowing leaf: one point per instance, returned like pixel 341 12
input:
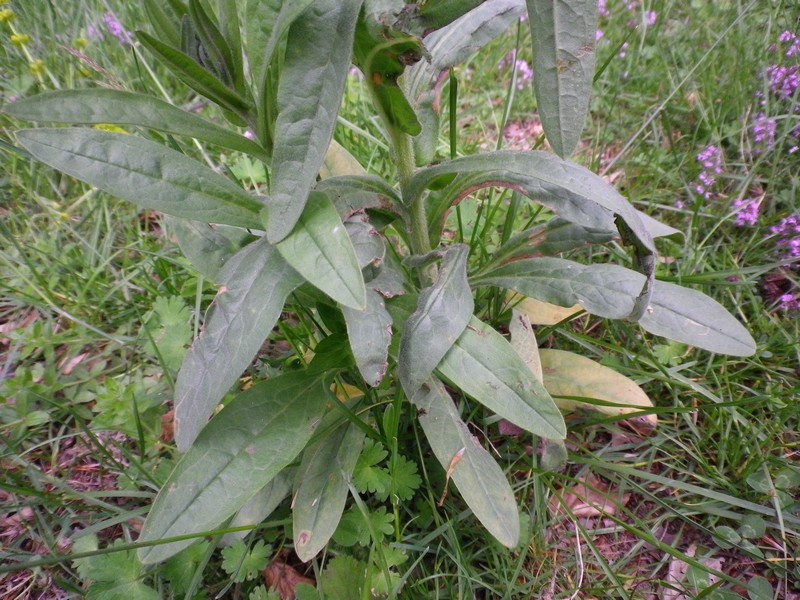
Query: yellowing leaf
pixel 542 313
pixel 569 374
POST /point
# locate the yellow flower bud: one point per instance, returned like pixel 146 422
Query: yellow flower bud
pixel 36 67
pixel 20 39
pixel 7 15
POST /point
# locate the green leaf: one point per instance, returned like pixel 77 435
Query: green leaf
pixel 144 173
pixel 322 491
pixel 309 96
pixel 247 444
pixel 343 578
pixel 563 36
pixel 208 247
pixel 447 47
pixel 195 76
pixel 244 564
pixel 568 376
pixel 215 46
pixel 610 291
pixel 370 333
pixel 485 366
pixel 169 330
pixel 569 190
pixel 367 475
pixel 351 193
pixel 230 28
pixel 437 13
pixel 262 504
pixel 130 590
pixel 181 568
pixel 691 317
pixel 164 24
pixel 321 251
pixel 443 311
pixel 256 282
pixel 405 478
pixel 265 23
pixel 100 106
pixel 479 478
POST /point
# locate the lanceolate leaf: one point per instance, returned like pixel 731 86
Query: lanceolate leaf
pixel 610 291
pixel 265 23
pixel 563 35
pixel 691 317
pixel 195 76
pixel 310 93
pixel 443 311
pixel 322 491
pixel 450 46
pixel 145 173
pixel 321 251
pixel 208 247
pixel 567 374
pixel 242 449
pixel 98 106
pixel 571 191
pixel 256 282
pixel 485 366
pixel 477 476
pixel 370 333
pixel 262 504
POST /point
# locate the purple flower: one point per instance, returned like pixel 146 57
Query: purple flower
pixel 116 29
pixel 788 237
pixel 710 159
pixel 764 131
pixel 783 81
pixel 524 71
pixel 787 37
pixel 602 10
pixel 747 211
pixel 650 17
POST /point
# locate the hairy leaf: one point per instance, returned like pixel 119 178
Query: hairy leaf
pixel 262 504
pixel 309 95
pixel 256 282
pixel 610 291
pixel 144 173
pixel 563 35
pixel 322 487
pixel 571 191
pixel 258 434
pixel 485 366
pixel 321 251
pixel 568 375
pixel 195 76
pixel 448 47
pixel 208 247
pixel 443 311
pixel 98 106
pixel 479 478
pixel 370 333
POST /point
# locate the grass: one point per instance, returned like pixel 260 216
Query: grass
pixel 704 506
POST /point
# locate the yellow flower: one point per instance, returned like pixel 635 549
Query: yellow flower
pixel 81 43
pixel 20 39
pixel 7 15
pixel 36 67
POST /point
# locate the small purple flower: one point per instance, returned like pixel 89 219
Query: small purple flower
pixel 783 81
pixel 93 33
pixel 116 29
pixel 764 131
pixel 710 159
pixel 524 70
pixel 249 134
pixel 602 10
pixel 788 237
pixel 747 211
pixel 787 37
pixel 650 17
pixel 623 51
